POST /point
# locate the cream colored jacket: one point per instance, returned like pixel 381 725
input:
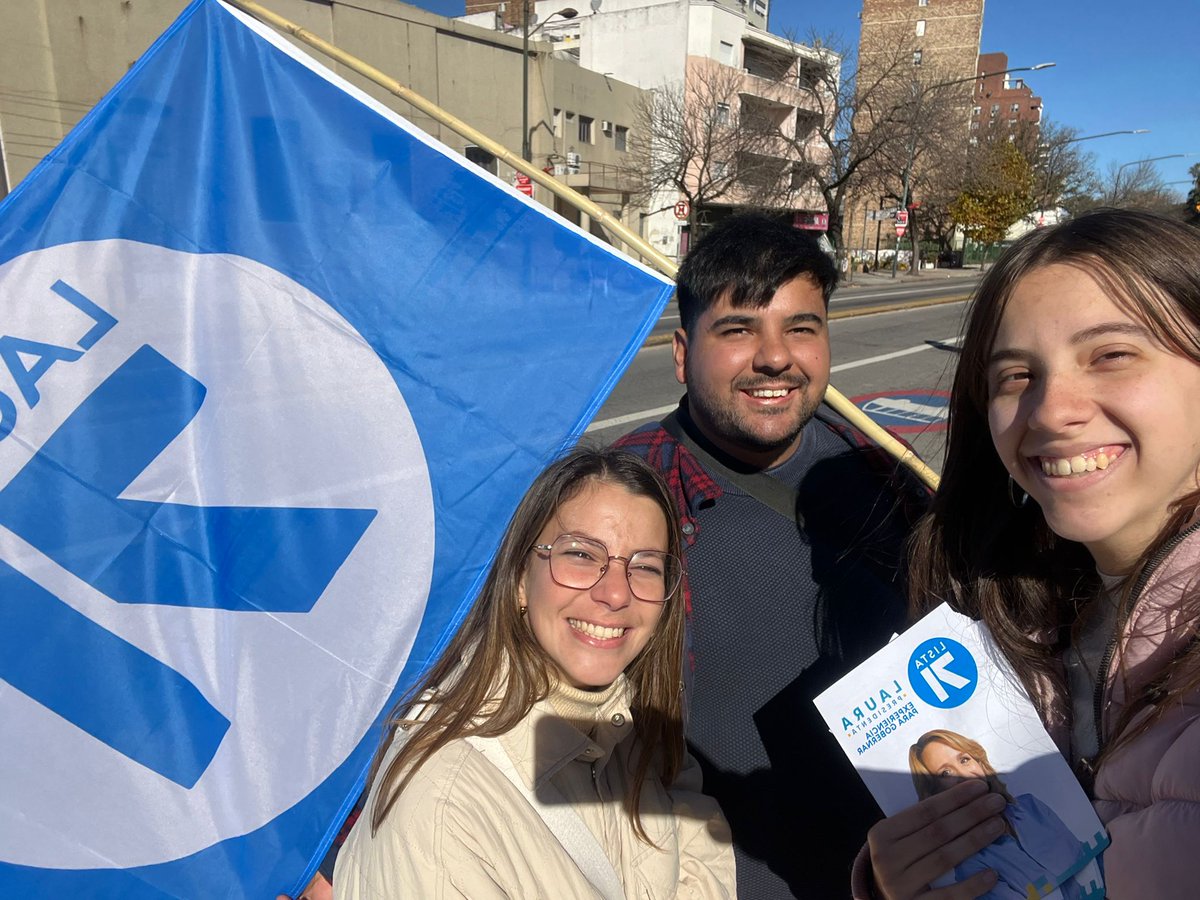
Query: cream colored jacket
pixel 461 829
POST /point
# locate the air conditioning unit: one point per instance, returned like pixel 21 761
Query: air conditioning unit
pixel 605 125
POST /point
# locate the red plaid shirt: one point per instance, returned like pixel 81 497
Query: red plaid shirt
pixel 693 488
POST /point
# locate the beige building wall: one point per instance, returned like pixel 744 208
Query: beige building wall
pixel 59 57
pixel 946 33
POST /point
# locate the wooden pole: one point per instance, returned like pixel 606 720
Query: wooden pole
pixel 618 229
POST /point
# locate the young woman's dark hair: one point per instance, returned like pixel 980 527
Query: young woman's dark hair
pixel 979 548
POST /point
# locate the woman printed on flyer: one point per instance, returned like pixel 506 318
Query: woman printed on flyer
pixel 1036 851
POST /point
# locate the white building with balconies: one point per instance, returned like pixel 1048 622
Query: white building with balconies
pixel 654 44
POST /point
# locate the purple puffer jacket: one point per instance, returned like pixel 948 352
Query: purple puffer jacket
pixel 1147 793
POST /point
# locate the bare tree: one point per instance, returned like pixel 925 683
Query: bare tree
pixel 692 139
pixel 1062 170
pixel 874 117
pixel 1129 186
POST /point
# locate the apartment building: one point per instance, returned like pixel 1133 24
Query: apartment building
pixel 662 44
pixel 918 45
pixel 1003 103
pixel 944 34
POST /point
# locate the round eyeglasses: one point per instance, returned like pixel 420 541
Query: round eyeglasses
pixel 579 563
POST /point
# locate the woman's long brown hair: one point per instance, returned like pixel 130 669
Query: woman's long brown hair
pixel 509 672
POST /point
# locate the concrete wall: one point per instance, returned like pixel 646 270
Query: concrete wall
pixel 59 57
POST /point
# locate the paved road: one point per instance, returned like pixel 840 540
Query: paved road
pixel 914 350
pixel 868 292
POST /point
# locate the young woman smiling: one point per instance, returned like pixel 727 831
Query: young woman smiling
pixel 543 754
pixel 1067 521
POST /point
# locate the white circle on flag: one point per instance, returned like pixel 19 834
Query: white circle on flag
pixel 299 411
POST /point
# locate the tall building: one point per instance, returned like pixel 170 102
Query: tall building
pixel 915 46
pixel 663 44
pixel 1003 104
pixel 944 34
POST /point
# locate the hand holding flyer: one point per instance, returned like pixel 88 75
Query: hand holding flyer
pixel 937 707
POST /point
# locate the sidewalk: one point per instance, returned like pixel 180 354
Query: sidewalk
pixel 883 278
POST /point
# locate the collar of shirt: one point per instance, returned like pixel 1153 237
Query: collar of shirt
pixel 544 742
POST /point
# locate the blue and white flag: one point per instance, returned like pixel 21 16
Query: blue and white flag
pixel 274 370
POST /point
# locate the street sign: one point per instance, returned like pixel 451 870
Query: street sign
pixel 901 217
pixel 523 183
pixel 682 210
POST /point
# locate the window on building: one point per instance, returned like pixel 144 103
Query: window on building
pixel 722 114
pixel 1016 107
pixel 995 109
pixel 760 7
pixel 810 74
pixel 556 123
pixel 974 110
pixel 920 28
pixel 806 124
pixel 719 168
pixel 621 138
pixel 725 54
pixel 585 129
pixel 801 174
pixel 916 57
pixel 922 2
pixel 481 158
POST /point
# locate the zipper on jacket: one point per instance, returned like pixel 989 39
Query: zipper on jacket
pixel 1111 648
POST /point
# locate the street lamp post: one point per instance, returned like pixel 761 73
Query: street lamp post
pixel 567 13
pixel 1137 162
pixel 918 96
pixel 1090 137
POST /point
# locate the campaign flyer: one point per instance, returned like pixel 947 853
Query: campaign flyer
pixel 940 704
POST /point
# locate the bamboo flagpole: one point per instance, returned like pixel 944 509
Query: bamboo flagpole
pixel 614 226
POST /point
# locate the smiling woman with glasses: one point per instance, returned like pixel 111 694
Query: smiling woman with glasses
pixel 543 753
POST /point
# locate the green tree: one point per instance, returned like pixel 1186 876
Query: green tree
pixel 998 192
pixel 1192 209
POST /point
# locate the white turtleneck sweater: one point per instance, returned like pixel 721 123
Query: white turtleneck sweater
pixel 461 829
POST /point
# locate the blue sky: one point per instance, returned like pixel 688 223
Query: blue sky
pixel 1121 64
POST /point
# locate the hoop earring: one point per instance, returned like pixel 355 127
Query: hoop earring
pixel 1018 502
